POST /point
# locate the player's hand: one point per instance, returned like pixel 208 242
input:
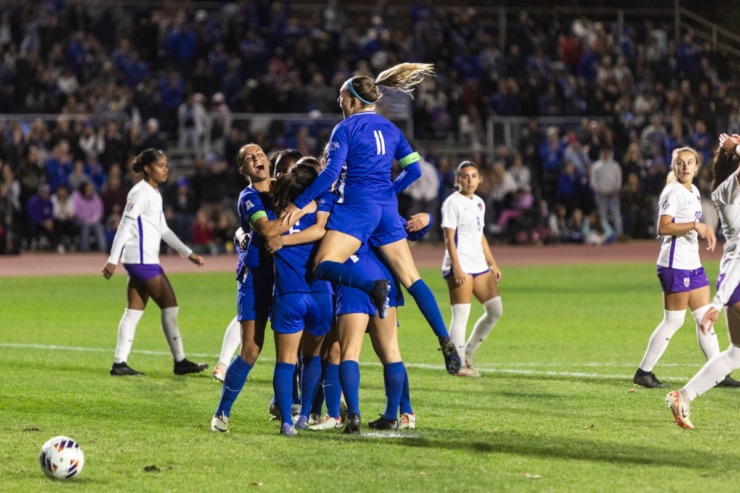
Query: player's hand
pixel 274 244
pixel 707 321
pixel 459 276
pixel 242 238
pixel 495 271
pixel 706 233
pixel 196 259
pixel 417 222
pixel 108 270
pixel 289 215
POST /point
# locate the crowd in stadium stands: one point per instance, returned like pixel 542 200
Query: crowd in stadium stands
pixel 170 77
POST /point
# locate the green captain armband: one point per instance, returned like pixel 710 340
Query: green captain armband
pixel 411 158
pixel 256 216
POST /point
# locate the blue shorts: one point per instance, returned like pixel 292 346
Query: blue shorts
pixel 354 300
pixel 735 296
pixel 143 272
pixel 254 295
pixel 366 220
pixel 680 280
pixel 294 312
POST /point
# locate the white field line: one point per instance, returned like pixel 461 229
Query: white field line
pixel 507 368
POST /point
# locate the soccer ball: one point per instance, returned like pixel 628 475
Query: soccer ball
pixel 61 458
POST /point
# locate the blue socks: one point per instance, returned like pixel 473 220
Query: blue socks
pixel 310 377
pixel 234 380
pixel 349 375
pixel 332 390
pixel 405 395
pixel 428 305
pixel 282 385
pixel 344 275
pixel 393 377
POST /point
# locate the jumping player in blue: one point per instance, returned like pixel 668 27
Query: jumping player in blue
pixel 361 153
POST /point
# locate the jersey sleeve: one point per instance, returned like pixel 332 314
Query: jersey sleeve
pixel 450 215
pixel 417 235
pixel 728 192
pixel 251 209
pixel 670 202
pixel 325 201
pixel 169 237
pixel 135 203
pixel 337 155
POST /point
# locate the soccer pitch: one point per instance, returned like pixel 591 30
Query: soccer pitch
pixel 555 409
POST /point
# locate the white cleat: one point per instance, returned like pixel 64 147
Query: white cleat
pixel 407 421
pixel 219 372
pixel 220 423
pixel 327 423
pixel 314 419
pixel 680 408
pixel 466 371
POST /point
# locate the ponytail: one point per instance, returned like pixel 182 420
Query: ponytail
pixel 146 157
pixel 403 77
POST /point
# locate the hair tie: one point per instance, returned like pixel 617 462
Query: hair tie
pixel 354 93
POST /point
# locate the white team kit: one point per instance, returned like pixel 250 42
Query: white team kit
pixel 680 252
pixel 726 200
pixel 142 229
pixel 466 216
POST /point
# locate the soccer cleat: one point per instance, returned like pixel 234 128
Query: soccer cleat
pixel 353 424
pixel 729 382
pixel 122 369
pixel 407 422
pixel 383 424
pixel 286 429
pixel 379 295
pixel 648 379
pixel 185 366
pixel 274 411
pixel 327 423
pixel 295 411
pixel 449 351
pixel 219 372
pixel 220 422
pixel 301 423
pixel 466 371
pixel 680 409
pixel 314 419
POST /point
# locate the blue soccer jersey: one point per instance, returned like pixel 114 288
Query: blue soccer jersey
pixel 361 153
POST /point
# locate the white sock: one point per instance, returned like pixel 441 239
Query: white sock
pixel 172 332
pixel 672 321
pixel 459 328
pixel 232 339
pixel 707 342
pixel 126 332
pixel 485 324
pixel 713 372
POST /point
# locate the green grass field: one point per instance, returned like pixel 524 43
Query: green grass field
pixel 554 411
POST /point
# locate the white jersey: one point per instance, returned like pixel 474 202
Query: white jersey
pixel 726 199
pixel 680 252
pixel 466 217
pixel 142 229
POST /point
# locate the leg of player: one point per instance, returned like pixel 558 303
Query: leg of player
pixel 460 297
pixel 399 257
pixel 707 342
pixel 286 349
pixel 232 340
pixel 137 299
pixel 384 336
pixel 331 383
pixel 486 291
pixel 351 330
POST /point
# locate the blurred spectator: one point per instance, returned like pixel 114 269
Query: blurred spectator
pixel 424 194
pixel 40 212
pixel 596 230
pixel 89 216
pixel 636 208
pixel 203 233
pixel 64 219
pixel 552 155
pixel 192 123
pixel 606 181
pixel 10 210
pixel 113 194
pixel 152 138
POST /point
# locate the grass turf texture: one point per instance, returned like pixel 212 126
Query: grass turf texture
pixel 554 411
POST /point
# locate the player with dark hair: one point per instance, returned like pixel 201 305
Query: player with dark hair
pixel 136 244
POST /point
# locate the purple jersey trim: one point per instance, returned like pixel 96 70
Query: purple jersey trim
pixel 141 240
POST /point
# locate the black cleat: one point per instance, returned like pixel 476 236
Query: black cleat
pixel 449 351
pixel 184 367
pixel 729 382
pixel 122 369
pixel 647 379
pixel 384 424
pixel 379 295
pixel 353 424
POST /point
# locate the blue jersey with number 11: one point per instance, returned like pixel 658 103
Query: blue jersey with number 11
pixel 362 149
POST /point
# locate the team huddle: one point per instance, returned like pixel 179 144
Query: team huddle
pixel 323 253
